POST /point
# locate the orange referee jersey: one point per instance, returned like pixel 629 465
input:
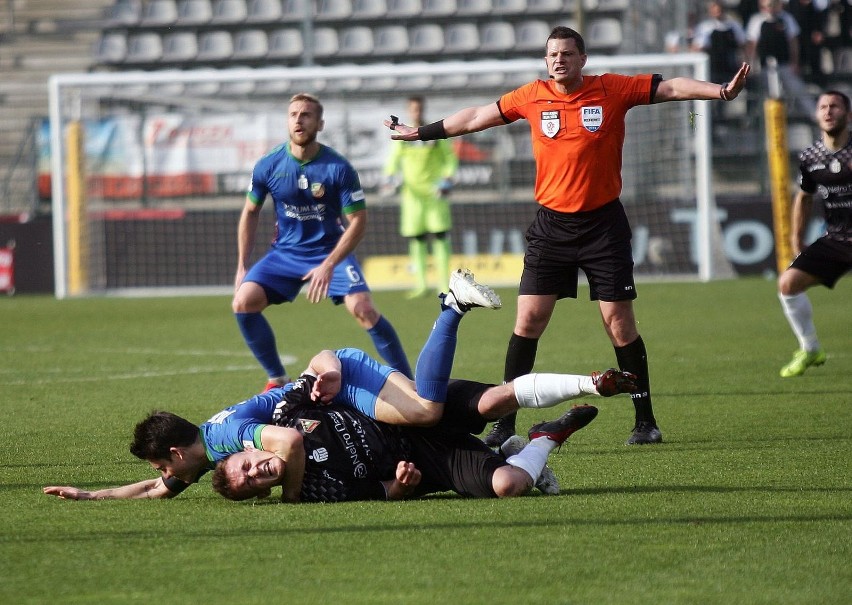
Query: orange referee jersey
pixel 577 139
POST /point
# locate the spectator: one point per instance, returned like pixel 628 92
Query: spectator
pixel 811 20
pixel 774 34
pixel 723 39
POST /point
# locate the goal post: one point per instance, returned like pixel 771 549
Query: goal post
pixel 168 157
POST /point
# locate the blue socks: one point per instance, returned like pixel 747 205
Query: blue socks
pixel 436 358
pixel 261 341
pixel 387 344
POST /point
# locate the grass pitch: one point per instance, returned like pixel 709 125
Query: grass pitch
pixel 747 501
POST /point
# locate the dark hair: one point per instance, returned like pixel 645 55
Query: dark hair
pixel 160 431
pixel 837 93
pixel 560 32
pixel 222 486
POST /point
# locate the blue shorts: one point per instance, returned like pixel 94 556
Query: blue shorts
pixel 363 378
pixel 280 274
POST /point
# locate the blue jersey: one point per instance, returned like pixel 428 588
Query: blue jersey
pixel 310 197
pixel 238 427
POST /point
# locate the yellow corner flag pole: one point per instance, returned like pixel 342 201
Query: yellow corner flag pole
pixel 77 221
pixel 775 115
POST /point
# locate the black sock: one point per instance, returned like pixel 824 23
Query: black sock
pixel 633 358
pixel 520 359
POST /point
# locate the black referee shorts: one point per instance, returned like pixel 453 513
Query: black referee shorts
pixel 597 242
pixel 826 259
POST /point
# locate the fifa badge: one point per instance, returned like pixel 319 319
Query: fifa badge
pixel 592 117
pixel 550 123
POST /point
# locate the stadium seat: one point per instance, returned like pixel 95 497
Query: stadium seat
pixel 438 8
pixel 415 82
pixel 325 42
pixel 111 48
pixel 333 10
pixel 473 8
pixel 606 5
pixel 144 48
pixel 159 13
pixel 461 38
pixel 390 40
pixel 202 88
pixel 236 88
pixel 843 61
pixel 263 11
pixel 799 136
pixel 215 46
pixel 404 8
pixel 532 35
pixel 229 12
pixel 369 9
pixel 355 41
pixel 426 39
pixel 497 36
pixel 604 34
pixel 193 12
pixel 285 43
pixel 382 82
pixel 180 47
pixel 508 7
pixel 535 7
pixel 250 45
pixel 125 13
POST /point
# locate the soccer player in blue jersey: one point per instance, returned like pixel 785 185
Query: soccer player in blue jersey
pixel 313 188
pixel 182 452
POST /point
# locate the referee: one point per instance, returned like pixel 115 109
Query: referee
pixel 577 124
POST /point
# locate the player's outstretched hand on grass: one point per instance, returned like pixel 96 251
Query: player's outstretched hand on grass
pixel 68 493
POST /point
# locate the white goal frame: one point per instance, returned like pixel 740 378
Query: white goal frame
pixel 66 91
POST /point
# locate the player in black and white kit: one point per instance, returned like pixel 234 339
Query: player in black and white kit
pixel 825 168
pixel 349 456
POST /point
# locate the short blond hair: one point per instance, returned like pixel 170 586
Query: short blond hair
pixel 307 98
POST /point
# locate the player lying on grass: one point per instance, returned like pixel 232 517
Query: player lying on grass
pixel 183 452
pixel 174 446
pixel 352 457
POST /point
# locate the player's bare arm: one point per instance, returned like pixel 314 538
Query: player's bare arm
pixel 287 444
pixel 150 488
pixel 686 89
pixel 464 121
pixel 799 215
pixel 320 276
pixel 246 232
pixel 326 367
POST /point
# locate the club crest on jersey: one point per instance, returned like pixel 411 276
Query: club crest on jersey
pixel 550 123
pixel 317 190
pixel 592 117
pixel 308 426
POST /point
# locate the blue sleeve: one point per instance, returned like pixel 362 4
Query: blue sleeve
pixel 352 198
pixel 258 189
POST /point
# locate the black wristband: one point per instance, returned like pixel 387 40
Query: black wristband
pixel 432 131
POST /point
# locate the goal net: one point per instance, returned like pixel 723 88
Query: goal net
pixel 147 171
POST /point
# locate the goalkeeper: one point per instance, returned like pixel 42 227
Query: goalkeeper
pixel 422 170
pixel 577 124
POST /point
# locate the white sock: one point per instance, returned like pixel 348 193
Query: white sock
pixel 533 457
pixel 800 315
pixel 548 390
